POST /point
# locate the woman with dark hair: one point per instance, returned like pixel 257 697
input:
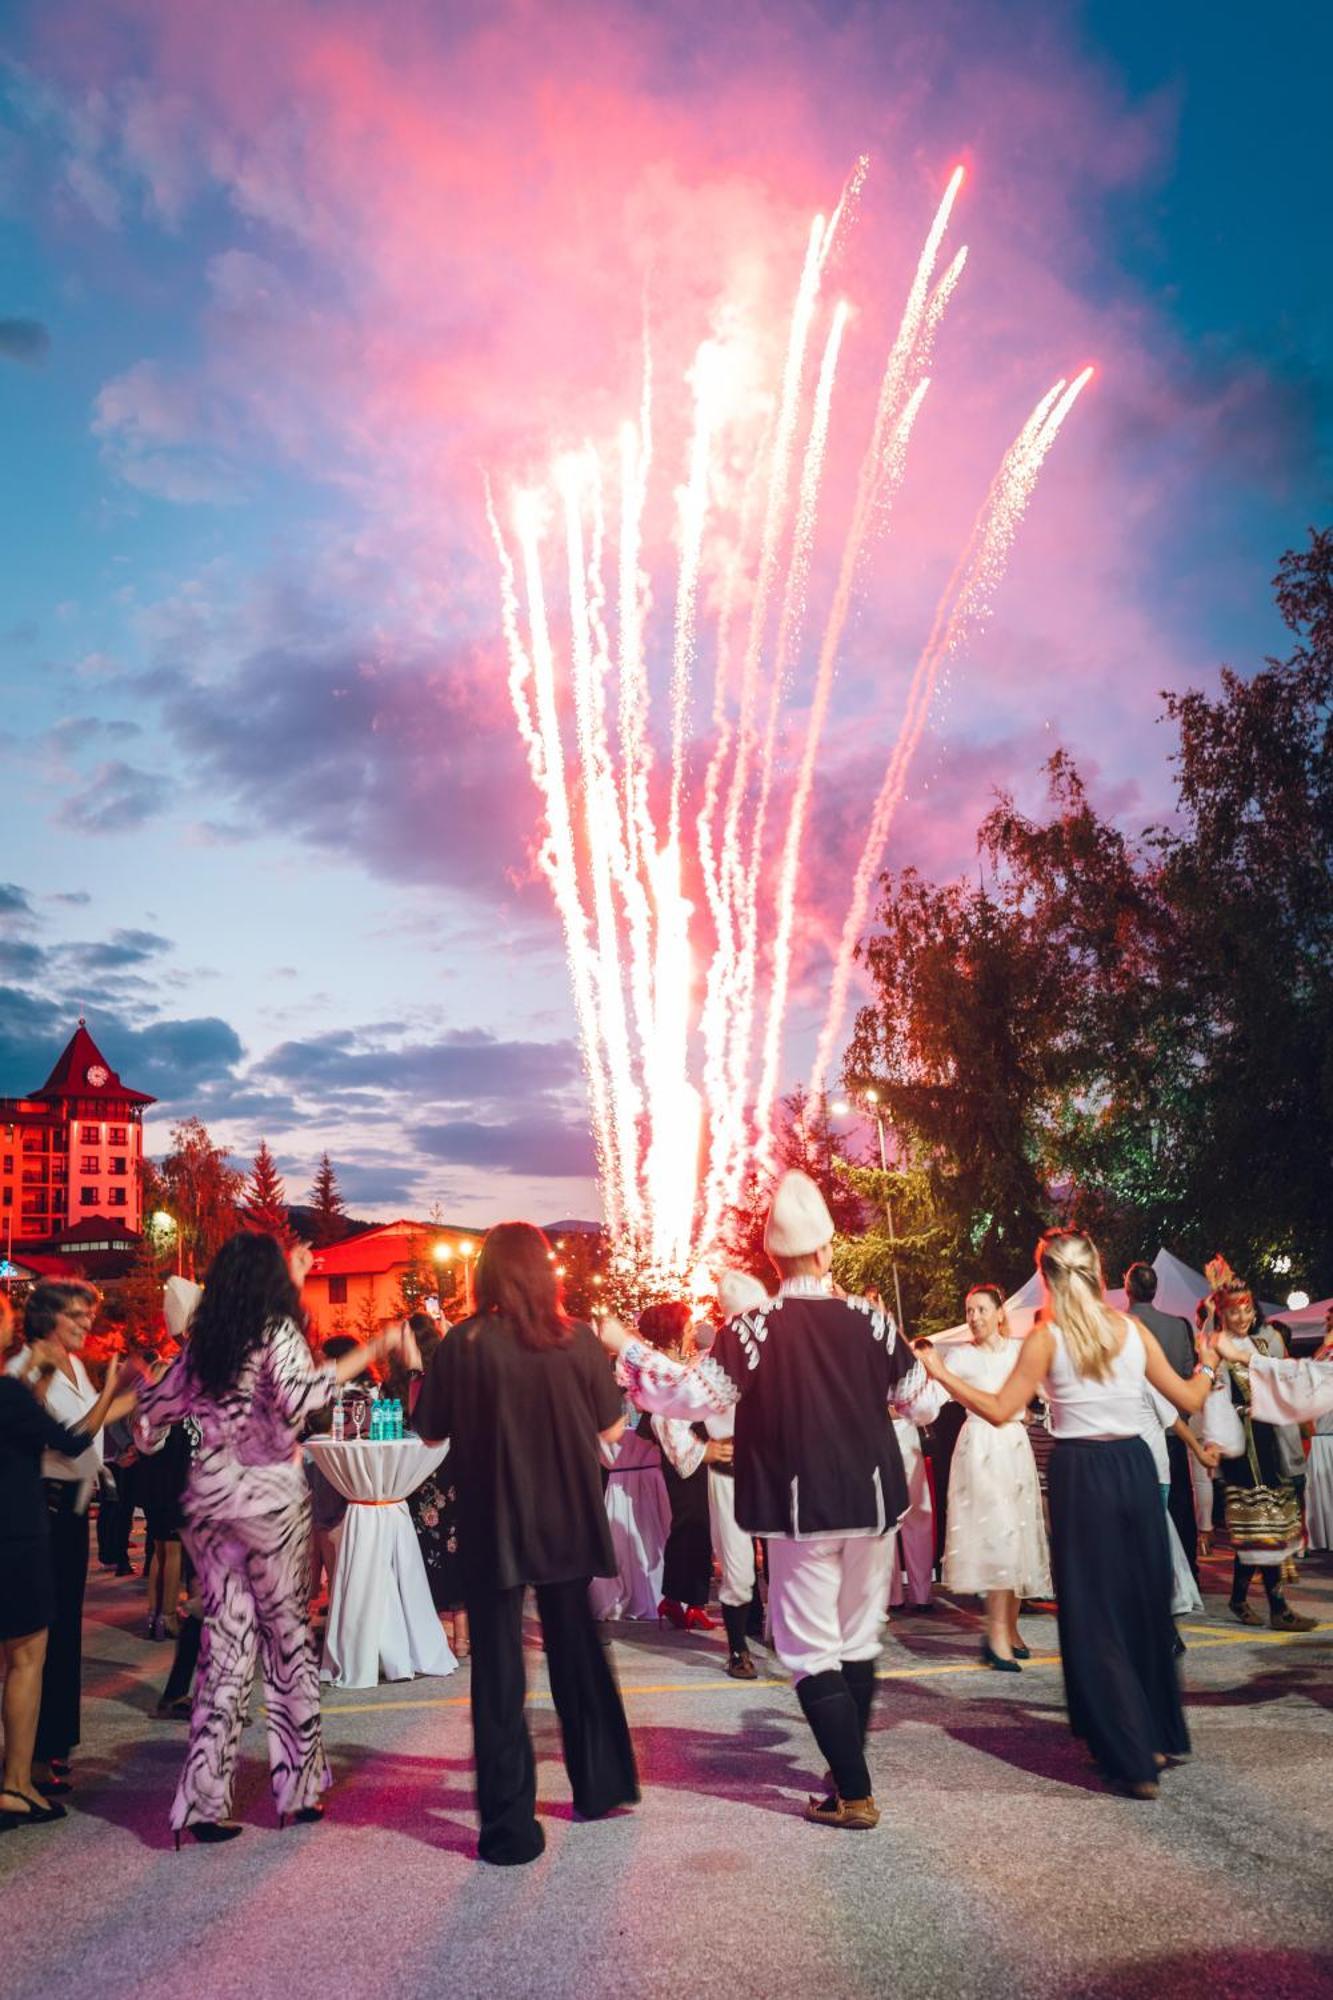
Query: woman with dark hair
pixel 247 1378
pixel 32 1438
pixel 687 1565
pixel 57 1320
pixel 525 1397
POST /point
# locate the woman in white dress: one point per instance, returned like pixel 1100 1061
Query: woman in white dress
pixel 996 1541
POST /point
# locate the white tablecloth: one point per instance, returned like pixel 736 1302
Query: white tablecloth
pixel 381 1617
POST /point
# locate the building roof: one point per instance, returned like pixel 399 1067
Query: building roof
pixel 71 1076
pixel 384 1248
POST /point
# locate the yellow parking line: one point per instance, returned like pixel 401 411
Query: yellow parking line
pixel 1203 1638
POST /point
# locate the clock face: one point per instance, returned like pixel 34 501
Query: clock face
pixel 97 1076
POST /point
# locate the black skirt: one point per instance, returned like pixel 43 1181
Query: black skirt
pixel 27 1591
pixel 1112 1565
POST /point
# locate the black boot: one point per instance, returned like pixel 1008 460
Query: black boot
pixel 754 1625
pixel 860 1678
pixel 831 1711
pixel 739 1664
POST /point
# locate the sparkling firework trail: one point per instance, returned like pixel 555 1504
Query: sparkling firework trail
pixel 653 977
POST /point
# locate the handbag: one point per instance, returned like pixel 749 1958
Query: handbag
pixel 1264 1523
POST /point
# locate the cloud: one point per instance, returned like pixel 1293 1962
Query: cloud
pixel 123 948
pixel 465 1066
pixel 14 902
pixel 546 1148
pixel 25 340
pixel 119 798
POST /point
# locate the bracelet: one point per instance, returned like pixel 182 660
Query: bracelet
pixel 1204 1369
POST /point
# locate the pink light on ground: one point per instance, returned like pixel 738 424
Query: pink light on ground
pixel 682 1003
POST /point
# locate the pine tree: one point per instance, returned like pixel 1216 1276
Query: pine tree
pixel 326 1199
pixel 265 1200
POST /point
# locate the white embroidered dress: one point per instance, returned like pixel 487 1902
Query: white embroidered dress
pixel 996 1535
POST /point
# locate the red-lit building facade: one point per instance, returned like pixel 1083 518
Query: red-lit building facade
pixel 70 1158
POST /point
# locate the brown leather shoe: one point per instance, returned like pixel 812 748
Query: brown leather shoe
pixel 741 1667
pixel 1287 1620
pixel 857 1815
pixel 1245 1613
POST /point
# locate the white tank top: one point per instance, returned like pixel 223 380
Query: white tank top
pixel 1083 1408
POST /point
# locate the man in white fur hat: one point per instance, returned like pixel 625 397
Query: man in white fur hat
pixel 813 1378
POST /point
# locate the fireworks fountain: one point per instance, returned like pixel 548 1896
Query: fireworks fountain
pixel 681 1009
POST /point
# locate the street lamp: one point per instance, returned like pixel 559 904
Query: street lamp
pixel 441 1253
pixel 841 1109
pixel 165 1224
pixel 467 1250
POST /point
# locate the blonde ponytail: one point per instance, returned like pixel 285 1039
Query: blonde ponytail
pixel 1072 1271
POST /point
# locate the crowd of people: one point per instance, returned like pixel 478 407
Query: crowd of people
pixel 788 1437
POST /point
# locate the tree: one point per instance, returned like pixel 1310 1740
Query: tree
pixel 925 1248
pixel 135 1301
pixel 330 1212
pixel 198 1189
pixel 265 1203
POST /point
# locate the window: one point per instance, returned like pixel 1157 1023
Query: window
pixel 9 1163
pixel 116 1135
pixel 120 1165
pixel 89 1163
pixel 337 1291
pixel 90 1135
pixel 118 1197
pixel 88 1197
pixel 9 1197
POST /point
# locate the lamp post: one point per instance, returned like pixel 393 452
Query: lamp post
pixel 871 1099
pixel 165 1224
pixel 441 1253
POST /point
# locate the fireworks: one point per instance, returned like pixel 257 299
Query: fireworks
pixel 681 1005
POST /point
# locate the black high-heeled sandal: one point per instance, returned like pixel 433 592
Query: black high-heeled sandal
pixel 37 1814
pixel 59 1767
pixel 997 1660
pixel 209 1832
pixel 303 1816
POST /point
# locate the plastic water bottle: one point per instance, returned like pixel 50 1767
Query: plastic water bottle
pixel 395 1421
pixel 339 1431
pixel 376 1423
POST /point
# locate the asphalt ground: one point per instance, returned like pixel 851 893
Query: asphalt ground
pixel 1001 1867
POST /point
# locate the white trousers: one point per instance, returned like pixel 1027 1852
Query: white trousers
pixel 827 1599
pixel 916 1530
pixel 733 1548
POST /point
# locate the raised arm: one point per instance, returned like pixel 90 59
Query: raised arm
pixel 1002 1405
pixel 1289 1392
pixel 665 1387
pixel 683 1451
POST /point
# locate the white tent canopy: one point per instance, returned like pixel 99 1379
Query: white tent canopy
pixel 1179 1289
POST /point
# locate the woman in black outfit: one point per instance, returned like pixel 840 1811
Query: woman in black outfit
pixel 687 1561
pixel 524 1396
pixel 27 1581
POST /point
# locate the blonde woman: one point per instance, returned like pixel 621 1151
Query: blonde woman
pixel 1108 1527
pixel 996 1542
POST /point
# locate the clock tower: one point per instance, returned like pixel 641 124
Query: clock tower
pixel 70 1156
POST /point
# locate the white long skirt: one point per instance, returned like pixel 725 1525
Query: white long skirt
pixel 639 1514
pixel 1319 1492
pixel 996 1536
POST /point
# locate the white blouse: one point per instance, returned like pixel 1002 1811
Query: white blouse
pixel 69 1403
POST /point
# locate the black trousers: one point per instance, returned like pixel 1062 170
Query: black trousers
pixel 1180 1500
pixel 599 1756
pixel 58 1716
pixel 687 1561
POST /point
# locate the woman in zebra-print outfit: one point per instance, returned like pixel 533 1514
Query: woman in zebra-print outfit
pixel 247 1379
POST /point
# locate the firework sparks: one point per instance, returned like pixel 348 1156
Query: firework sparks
pixel 680 1012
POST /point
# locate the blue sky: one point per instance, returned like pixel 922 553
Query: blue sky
pixel 263 807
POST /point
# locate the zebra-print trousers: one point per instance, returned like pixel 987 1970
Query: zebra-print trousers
pixel 254 1577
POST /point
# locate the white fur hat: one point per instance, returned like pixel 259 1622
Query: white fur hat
pixel 179 1299
pixel 798 1221
pixel 738 1292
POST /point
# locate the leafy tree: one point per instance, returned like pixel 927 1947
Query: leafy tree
pixel 924 1249
pixel 199 1189
pixel 265 1199
pixel 330 1212
pixel 803 1138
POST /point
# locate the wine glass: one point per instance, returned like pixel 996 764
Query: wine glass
pixel 358 1414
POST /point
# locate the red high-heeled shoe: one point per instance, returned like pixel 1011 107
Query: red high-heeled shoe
pixel 698 1620
pixel 669 1612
